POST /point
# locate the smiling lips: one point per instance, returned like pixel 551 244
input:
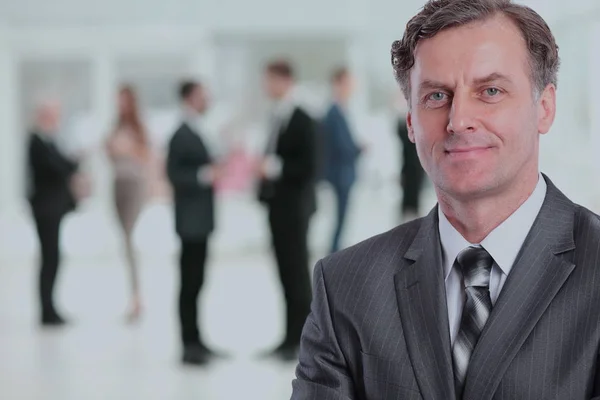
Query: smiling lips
pixel 467 151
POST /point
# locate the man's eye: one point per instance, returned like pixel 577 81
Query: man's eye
pixel 492 92
pixel 438 96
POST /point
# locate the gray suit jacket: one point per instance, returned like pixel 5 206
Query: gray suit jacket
pixel 378 327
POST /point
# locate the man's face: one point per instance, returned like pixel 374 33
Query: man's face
pixel 48 117
pixel 125 103
pixel 473 114
pixel 276 86
pixel 344 87
pixel 198 99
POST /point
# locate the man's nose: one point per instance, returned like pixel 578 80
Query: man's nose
pixel 462 118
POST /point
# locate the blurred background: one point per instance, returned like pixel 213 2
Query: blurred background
pixel 80 52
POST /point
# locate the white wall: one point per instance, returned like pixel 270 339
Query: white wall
pixel 9 144
pixel 189 33
pixel 243 15
pixel 592 97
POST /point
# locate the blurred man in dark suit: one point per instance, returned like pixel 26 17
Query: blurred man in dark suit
pixel 192 173
pixel 341 151
pixel 412 174
pixel 287 187
pixel 51 198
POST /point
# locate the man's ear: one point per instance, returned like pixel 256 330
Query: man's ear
pixel 546 109
pixel 411 131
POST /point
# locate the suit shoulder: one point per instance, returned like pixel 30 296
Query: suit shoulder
pixel 182 129
pixel 35 143
pixel 332 110
pixel 303 115
pixel 586 236
pixel 587 213
pixel 33 138
pixel 333 115
pixel 180 132
pixel 589 219
pixel 383 250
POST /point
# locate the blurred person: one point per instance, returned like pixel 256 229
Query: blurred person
pixel 287 175
pixel 51 198
pixel 341 152
pixel 412 174
pixel 193 172
pixel 494 294
pixel 128 149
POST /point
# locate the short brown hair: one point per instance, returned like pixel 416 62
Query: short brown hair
pixel 186 88
pixel 281 68
pixel 438 15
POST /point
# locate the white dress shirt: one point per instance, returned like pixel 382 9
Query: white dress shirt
pixel 503 244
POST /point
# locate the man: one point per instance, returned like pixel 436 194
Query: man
pixel 287 187
pixel 341 150
pixel 51 199
pixel 192 173
pixel 494 294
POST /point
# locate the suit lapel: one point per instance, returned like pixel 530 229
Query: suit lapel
pixel 421 295
pixel 538 274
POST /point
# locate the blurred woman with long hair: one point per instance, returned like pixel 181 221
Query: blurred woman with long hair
pixel 128 149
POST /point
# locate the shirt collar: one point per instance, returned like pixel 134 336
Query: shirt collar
pixel 504 242
pixel 452 242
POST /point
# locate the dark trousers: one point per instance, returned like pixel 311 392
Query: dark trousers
pixel 193 259
pixel 289 231
pixel 342 194
pixel 48 230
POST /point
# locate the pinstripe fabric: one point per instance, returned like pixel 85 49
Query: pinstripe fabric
pixel 476 265
pixel 378 328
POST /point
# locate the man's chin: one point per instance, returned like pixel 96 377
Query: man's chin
pixel 468 188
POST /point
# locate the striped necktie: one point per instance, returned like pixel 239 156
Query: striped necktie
pixel 476 265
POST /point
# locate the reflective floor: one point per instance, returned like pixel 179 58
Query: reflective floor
pixel 100 356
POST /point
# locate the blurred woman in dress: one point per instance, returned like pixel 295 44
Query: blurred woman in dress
pixel 129 151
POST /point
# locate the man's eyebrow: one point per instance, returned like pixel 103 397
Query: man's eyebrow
pixel 492 78
pixel 430 84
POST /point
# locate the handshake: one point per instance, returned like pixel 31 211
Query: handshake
pixel 211 174
pixel 239 169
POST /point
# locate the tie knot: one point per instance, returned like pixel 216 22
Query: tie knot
pixel 476 265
